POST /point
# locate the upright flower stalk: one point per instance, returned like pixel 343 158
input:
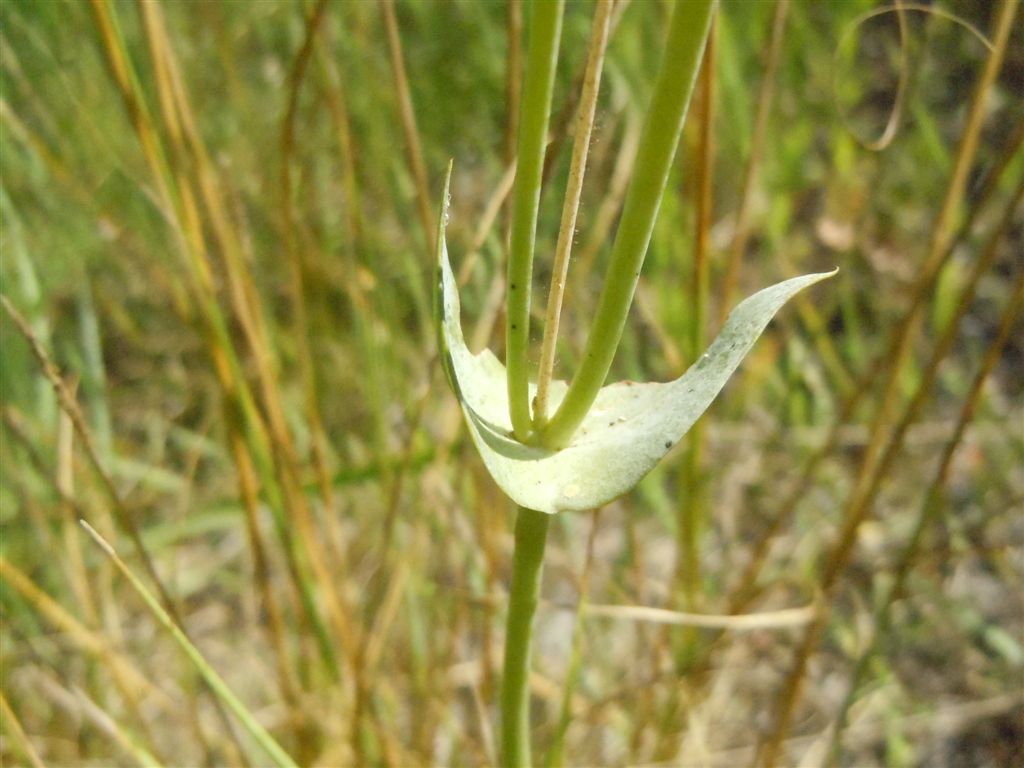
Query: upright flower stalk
pixel 545 33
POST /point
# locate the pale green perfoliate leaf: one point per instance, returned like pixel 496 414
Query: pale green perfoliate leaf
pixel 627 431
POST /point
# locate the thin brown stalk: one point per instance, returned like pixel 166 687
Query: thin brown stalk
pixel 555 751
pixel 862 498
pixel 765 100
pixel 75 564
pixel 122 514
pixel 188 154
pixel 376 637
pixel 275 621
pixel 691 513
pixel 136 108
pixel 943 234
pixel 611 204
pixel 668 344
pixel 896 113
pixel 70 406
pixel 931 507
pixel 408 117
pixel 486 222
pixel 337 104
pixel 80 706
pixel 570 207
pixel 246 302
pixel 300 327
pixel 83 584
pixel 180 210
pixel 745 591
pixel 92 589
pixel 396 482
pixel 59 481
pixel 489 525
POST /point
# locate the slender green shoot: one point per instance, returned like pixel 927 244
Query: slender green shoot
pixel 216 683
pixel 545 34
pixel 686 38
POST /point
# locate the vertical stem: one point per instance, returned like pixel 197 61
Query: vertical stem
pixel 527 568
pixel 545 31
pixel 687 33
pixel 556 752
pixel 567 229
pixel 513 67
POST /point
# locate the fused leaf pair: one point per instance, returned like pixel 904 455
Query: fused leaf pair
pixel 630 426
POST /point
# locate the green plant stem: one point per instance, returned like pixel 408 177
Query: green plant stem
pixel 527 568
pixel 687 35
pixel 556 751
pixel 545 32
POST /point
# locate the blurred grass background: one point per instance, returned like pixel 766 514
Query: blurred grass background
pixel 217 222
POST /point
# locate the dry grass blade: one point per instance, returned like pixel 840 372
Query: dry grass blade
pixel 691 514
pixel 931 506
pixel 301 327
pixel 78 704
pixel 877 454
pixel 277 463
pixel 20 738
pixel 765 99
pixel 555 755
pixel 133 682
pixel 746 588
pixel 70 406
pixel 786 618
pixel 408 117
pixel 275 620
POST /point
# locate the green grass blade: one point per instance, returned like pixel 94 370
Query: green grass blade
pixel 216 683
